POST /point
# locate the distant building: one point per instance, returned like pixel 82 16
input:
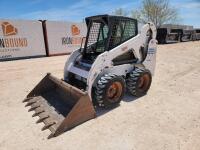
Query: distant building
pixel 173 26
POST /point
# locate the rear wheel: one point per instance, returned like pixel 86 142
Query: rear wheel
pixel 109 90
pixel 139 82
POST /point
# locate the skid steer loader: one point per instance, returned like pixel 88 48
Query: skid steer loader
pixel 115 58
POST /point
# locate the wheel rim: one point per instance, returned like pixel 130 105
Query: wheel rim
pixel 144 82
pixel 114 91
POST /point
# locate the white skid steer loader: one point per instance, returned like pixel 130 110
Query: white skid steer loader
pixel 115 58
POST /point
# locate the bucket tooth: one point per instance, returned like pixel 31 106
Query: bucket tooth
pixel 51 136
pixel 42 119
pixel 39 110
pixel 27 99
pixel 37 113
pixel 34 106
pixel 29 103
pixel 48 125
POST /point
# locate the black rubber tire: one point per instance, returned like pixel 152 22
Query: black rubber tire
pixel 133 82
pixel 101 89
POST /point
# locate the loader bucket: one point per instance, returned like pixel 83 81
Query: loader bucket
pixel 59 105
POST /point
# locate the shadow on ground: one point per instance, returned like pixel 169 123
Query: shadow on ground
pixel 102 111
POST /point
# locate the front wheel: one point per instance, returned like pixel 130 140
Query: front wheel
pixel 109 90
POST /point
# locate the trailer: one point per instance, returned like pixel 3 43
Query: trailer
pixel 196 35
pixel 187 35
pixel 168 35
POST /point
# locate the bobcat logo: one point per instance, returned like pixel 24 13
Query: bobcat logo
pixel 8 29
pixel 75 30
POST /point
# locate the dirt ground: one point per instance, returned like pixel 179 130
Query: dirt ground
pixel 167 118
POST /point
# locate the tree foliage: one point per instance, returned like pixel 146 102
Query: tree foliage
pixel 157 11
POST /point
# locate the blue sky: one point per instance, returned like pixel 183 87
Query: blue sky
pixel 73 10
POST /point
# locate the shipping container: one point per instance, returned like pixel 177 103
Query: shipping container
pixel 63 37
pixel 21 39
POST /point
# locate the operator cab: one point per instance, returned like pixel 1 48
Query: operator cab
pixel 106 32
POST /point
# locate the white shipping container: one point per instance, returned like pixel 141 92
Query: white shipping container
pixel 64 37
pixel 20 38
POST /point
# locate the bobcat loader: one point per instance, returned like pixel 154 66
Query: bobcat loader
pixel 115 58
